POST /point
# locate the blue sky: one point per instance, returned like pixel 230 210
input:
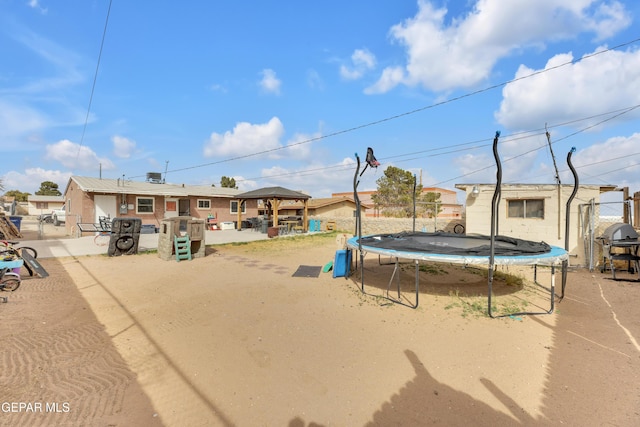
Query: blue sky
pixel 285 92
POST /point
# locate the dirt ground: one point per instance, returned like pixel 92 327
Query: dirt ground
pixel 234 339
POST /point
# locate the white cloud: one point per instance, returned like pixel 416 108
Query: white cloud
pixel 245 184
pixel 245 138
pixel 615 161
pixel 518 159
pixel 35 4
pixel 608 19
pixel 123 147
pixel 30 180
pixel 74 156
pixel 314 80
pixel 270 83
pixel 589 87
pixel 298 148
pixel 16 121
pixel 462 51
pixel 391 77
pixel 216 87
pixel 362 61
pixel 315 179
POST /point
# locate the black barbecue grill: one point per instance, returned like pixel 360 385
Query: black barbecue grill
pixel 620 237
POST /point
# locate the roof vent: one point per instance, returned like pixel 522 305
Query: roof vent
pixel 154 177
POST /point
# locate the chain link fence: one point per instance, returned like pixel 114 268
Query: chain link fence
pixel 594 220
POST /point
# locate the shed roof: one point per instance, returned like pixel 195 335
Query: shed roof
pixel 36 198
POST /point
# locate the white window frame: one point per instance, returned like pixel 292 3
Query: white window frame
pixel 235 211
pixel 153 205
pixel 524 208
pixel 203 201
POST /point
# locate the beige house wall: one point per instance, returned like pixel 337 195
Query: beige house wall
pixel 551 229
pixel 342 210
pixel 32 207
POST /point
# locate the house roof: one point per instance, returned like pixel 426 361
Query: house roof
pixel 118 186
pixel 35 198
pixel 273 193
pixel 322 202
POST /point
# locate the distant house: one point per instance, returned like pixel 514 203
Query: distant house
pixel 38 205
pixel 86 199
pixel 449 206
pixel 335 207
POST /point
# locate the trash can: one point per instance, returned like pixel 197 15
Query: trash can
pixel 265 226
pixel 16 220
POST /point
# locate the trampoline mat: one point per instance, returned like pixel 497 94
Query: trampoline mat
pixel 455 244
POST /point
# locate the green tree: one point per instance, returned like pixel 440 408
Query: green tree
pixel 19 195
pixel 227 182
pixel 48 188
pixel 394 196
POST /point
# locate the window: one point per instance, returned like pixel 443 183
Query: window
pixel 42 205
pixel 234 207
pixel 204 204
pixel 144 205
pixel 526 208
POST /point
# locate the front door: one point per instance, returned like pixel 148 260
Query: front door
pixel 184 207
pixel 105 206
pixel 170 207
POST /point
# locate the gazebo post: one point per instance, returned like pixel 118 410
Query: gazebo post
pixel 275 204
pixel 239 225
pixel 305 226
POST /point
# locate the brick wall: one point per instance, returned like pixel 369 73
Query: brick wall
pixel 390 225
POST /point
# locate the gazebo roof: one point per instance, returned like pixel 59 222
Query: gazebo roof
pixel 273 193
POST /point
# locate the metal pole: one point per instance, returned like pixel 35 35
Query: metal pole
pixel 494 220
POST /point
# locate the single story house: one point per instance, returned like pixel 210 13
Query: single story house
pixel 38 205
pixel 533 212
pixel 87 198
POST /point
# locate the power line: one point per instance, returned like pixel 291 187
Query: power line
pixel 536 149
pixel 95 79
pixel 397 116
pixel 464 147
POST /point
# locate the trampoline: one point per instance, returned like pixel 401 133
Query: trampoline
pixel 480 250
pixel 459 249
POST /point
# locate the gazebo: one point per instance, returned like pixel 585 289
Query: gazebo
pixel 274 195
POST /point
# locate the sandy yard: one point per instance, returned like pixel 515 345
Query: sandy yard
pixel 233 339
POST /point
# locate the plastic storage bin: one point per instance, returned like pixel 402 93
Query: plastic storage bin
pixel 16 220
pixel 342 263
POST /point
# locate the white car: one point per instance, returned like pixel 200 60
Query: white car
pixel 59 215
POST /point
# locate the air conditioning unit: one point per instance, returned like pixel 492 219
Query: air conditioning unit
pixel 154 177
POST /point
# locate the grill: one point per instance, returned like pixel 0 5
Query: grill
pixel 619 232
pixel 620 237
